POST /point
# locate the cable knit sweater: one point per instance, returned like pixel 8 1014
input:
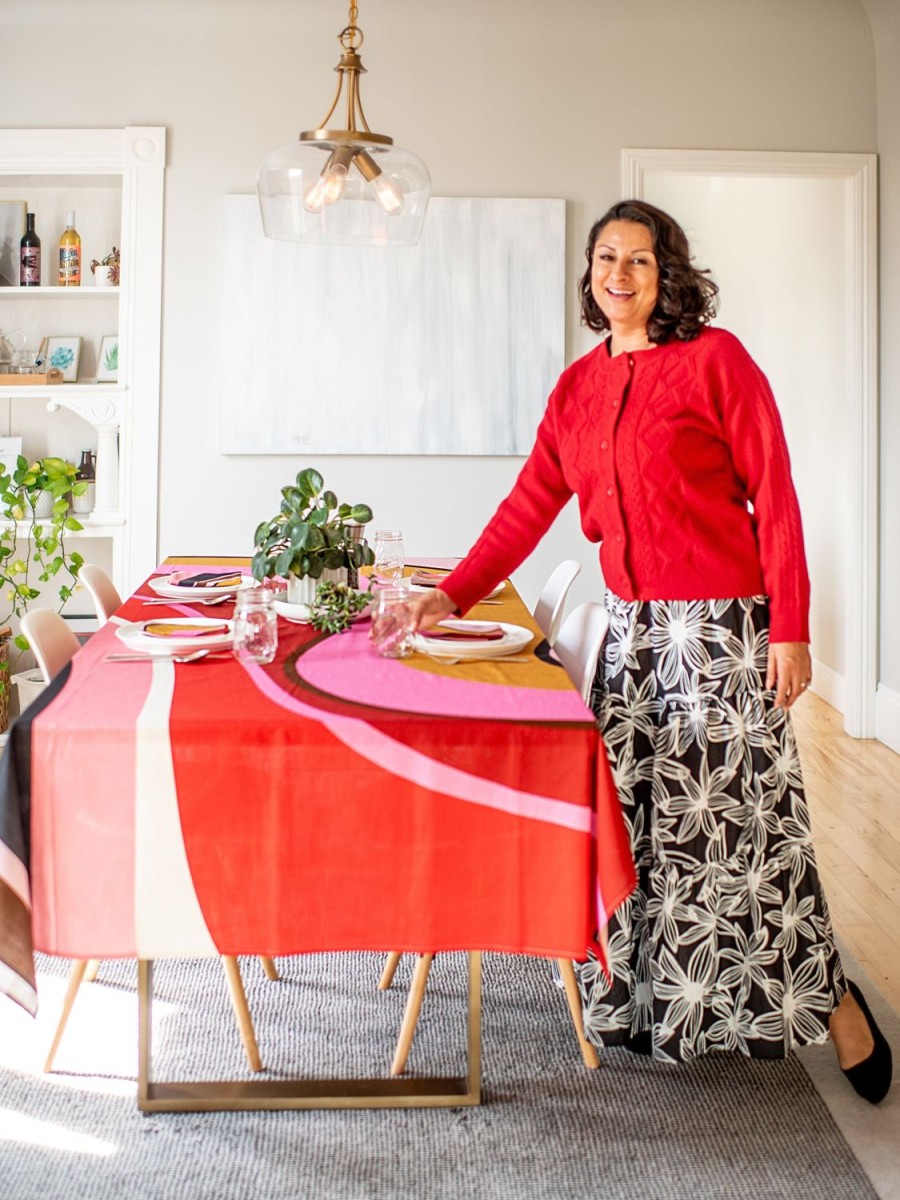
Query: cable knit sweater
pixel 678 458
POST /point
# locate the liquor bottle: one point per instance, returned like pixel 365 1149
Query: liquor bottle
pixel 30 255
pixel 70 254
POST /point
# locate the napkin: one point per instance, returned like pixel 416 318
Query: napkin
pixel 426 577
pixel 166 630
pixel 469 631
pixel 207 579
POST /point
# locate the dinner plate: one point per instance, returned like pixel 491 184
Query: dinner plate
pixel 515 637
pixel 171 591
pixel 418 587
pixel 136 638
pixel 298 613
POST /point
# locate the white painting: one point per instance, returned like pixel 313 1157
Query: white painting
pixel 448 347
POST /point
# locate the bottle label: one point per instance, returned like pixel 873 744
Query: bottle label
pixel 69 265
pixel 30 273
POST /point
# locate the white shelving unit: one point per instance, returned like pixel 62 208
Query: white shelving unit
pixel 113 178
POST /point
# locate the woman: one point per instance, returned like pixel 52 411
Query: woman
pixel 668 434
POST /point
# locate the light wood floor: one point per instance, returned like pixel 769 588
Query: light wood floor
pixel 853 789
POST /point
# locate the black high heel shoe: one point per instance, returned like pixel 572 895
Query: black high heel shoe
pixel 871 1078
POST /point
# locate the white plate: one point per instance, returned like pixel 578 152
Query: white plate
pixel 298 613
pixel 418 587
pixel 146 643
pixel 171 591
pixel 515 637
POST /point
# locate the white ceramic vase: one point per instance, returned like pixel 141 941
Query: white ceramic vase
pixel 303 591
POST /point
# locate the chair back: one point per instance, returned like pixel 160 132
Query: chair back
pixel 548 612
pixel 579 642
pixel 51 639
pixel 101 590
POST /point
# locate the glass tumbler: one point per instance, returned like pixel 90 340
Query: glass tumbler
pixel 391 631
pixel 255 625
pixel 389 557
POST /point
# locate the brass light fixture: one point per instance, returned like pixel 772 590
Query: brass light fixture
pixel 346 186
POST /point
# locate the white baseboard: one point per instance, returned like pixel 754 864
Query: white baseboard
pixel 887 717
pixel 828 684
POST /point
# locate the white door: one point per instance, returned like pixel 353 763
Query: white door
pixel 783 241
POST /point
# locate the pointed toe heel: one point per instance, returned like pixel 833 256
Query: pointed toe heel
pixel 871 1078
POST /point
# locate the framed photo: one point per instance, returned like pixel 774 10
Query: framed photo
pixel 10 449
pixel 64 353
pixel 12 226
pixel 108 362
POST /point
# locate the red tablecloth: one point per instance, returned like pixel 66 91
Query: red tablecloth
pixel 330 801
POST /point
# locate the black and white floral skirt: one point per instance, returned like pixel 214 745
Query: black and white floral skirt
pixel 726 944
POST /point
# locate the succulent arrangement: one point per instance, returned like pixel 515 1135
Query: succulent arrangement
pixel 111 262
pixel 335 607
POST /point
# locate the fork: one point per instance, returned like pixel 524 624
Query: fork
pixel 190 603
pixel 495 658
pixel 179 658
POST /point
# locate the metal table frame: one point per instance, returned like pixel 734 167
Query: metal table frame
pixel 240 1095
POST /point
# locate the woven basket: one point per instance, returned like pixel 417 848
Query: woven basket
pixel 5 635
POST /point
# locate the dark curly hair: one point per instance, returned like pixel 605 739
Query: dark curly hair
pixel 687 296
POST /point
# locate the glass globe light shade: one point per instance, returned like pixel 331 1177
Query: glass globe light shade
pixel 343 192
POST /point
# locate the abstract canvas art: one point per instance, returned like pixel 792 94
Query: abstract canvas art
pixel 448 347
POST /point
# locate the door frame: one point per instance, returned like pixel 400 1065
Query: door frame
pixel 859 175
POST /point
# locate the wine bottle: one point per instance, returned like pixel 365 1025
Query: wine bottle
pixel 70 254
pixel 30 255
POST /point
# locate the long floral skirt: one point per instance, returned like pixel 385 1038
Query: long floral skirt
pixel 726 944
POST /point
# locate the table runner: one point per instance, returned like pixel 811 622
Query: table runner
pixel 331 800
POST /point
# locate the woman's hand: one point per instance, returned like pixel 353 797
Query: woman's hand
pixel 430 607
pixel 789 670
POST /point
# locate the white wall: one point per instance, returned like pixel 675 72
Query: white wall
pixel 505 98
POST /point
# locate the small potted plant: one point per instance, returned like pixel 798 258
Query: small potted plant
pixel 106 270
pixel 36 495
pixel 312 537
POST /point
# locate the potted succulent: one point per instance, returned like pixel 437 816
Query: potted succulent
pixel 106 270
pixel 31 489
pixel 313 537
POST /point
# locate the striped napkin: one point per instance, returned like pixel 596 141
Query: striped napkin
pixel 465 631
pixel 206 579
pixel 164 629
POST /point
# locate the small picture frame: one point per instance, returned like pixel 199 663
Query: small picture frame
pixel 108 362
pixel 63 353
pixel 12 226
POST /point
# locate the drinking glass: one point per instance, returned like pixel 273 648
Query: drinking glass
pixel 389 557
pixel 255 625
pixel 391 631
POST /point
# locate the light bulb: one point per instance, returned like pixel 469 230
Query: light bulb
pixel 387 194
pixel 329 187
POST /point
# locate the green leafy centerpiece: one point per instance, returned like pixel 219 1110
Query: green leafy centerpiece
pixel 312 538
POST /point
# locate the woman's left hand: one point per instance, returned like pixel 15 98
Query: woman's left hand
pixel 789 670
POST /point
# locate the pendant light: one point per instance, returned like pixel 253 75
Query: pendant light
pixel 344 185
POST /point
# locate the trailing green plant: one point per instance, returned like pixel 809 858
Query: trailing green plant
pixel 47 555
pixel 311 533
pixel 335 606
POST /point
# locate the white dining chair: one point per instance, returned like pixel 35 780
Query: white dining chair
pixel 579 642
pixel 54 645
pixel 101 590
pixel 551 603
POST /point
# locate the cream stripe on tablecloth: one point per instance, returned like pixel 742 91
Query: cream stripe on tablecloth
pixel 168 919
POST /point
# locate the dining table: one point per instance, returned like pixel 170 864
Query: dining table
pixel 330 800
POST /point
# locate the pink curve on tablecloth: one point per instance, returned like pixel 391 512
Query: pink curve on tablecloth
pixel 407 763
pixel 348 668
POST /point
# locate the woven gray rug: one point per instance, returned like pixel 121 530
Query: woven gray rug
pixel 724 1128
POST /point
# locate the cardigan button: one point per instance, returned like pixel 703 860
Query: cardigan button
pixel 620 538
pixel 610 491
pixel 604 445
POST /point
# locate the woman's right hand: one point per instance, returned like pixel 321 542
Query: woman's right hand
pixel 430 607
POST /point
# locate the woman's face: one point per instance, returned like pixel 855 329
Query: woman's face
pixel 625 275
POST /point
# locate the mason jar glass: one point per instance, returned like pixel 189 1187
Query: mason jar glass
pixel 255 625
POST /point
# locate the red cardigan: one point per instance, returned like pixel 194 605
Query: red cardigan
pixel 666 449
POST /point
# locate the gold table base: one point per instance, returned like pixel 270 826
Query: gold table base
pixel 225 1095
